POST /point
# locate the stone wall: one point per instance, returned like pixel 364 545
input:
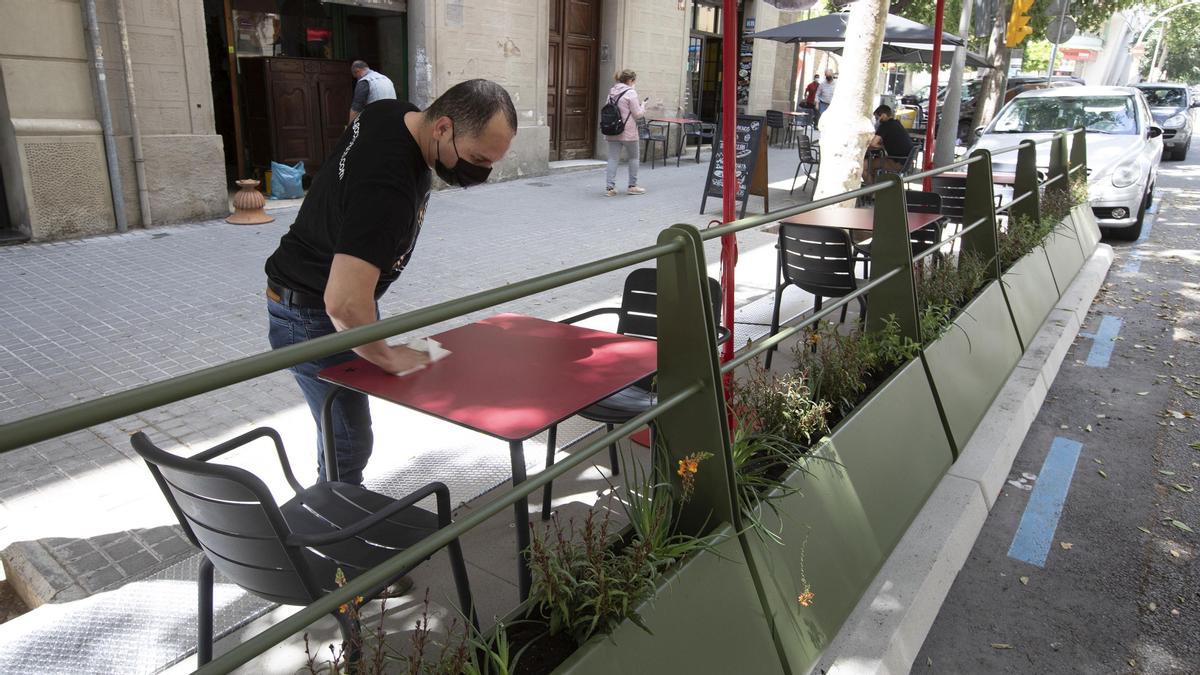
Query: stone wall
pixel 51 145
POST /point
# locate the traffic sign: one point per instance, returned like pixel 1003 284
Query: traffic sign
pixel 1058 32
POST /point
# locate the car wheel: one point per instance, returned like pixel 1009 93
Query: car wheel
pixel 1134 231
pixel 1180 154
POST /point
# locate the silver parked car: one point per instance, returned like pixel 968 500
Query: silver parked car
pixel 1171 105
pixel 1124 146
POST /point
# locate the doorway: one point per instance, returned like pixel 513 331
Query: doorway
pixel 573 74
pixel 704 61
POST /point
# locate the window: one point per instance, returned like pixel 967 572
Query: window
pixel 1101 114
pixel 706 19
pixel 1165 97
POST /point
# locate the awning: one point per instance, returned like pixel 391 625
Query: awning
pixel 832 28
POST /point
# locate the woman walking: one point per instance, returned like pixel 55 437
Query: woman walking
pixel 629 105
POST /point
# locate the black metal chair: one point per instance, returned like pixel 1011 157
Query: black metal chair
pixel 953 192
pixel 819 260
pixel 700 131
pixel 775 124
pixel 931 235
pixel 637 316
pixel 801 124
pixel 646 134
pixel 290 554
pixel 809 160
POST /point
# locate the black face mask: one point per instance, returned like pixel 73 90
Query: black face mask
pixel 463 173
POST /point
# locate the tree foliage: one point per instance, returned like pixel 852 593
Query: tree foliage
pixel 1182 39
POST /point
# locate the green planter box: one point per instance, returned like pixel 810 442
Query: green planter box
pixel 866 483
pixel 1064 251
pixel 1086 228
pixel 972 360
pixel 705 618
pixel 1031 293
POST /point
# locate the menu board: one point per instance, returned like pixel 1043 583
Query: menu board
pixel 749 162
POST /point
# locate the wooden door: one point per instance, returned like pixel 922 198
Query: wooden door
pixel 573 74
pixel 335 91
pixel 292 115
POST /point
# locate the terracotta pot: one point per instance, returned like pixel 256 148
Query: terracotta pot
pixel 248 205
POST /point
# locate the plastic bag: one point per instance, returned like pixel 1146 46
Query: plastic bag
pixel 286 181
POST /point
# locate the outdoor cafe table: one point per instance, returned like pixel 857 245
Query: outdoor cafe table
pixel 998 178
pixel 511 377
pixel 683 123
pixel 858 219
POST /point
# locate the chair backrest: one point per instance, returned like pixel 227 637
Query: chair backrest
pixel 639 303
pixel 819 260
pixel 230 514
pixel 953 191
pixel 805 149
pixel 923 202
pixel 775 119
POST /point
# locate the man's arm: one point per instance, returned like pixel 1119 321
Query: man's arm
pixel 350 303
pixel 362 92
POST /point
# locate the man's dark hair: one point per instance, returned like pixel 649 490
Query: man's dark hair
pixel 472 104
pixel 359 65
pixel 884 110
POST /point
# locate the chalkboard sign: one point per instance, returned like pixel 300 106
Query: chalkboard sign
pixel 750 163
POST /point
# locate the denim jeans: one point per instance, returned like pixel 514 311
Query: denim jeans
pixel 352 435
pixel 614 158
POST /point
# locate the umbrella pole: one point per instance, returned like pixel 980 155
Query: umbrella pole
pixel 931 125
pixel 729 186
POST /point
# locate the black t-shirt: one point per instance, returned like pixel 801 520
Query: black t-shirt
pixel 896 142
pixel 368 201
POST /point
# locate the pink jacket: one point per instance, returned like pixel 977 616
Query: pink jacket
pixel 631 110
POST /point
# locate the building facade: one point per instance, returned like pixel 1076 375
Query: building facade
pixel 225 87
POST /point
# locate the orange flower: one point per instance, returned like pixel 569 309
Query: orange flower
pixel 805 598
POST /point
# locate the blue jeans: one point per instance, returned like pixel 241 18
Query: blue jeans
pixel 352 435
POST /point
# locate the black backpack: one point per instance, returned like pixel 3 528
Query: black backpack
pixel 611 123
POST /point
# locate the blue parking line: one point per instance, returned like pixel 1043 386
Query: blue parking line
pixel 1134 264
pixel 1103 341
pixel 1035 534
pixel 1147 225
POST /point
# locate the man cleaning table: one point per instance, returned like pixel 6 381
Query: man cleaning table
pixel 357 229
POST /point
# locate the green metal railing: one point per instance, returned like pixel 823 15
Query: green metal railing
pixel 691 409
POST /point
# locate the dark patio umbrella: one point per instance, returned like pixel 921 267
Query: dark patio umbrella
pixel 832 28
pixel 899 53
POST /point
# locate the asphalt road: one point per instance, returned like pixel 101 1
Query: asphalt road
pixel 1119 588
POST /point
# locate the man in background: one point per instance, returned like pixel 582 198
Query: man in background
pixel 810 92
pixel 371 87
pixel 824 93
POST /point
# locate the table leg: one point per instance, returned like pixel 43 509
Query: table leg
pixel 331 467
pixel 521 515
pixel 679 146
pixel 547 492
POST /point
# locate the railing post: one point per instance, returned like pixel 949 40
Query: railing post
pixel 891 250
pixel 1058 166
pixel 687 353
pixel 1026 183
pixel 1079 150
pixel 980 204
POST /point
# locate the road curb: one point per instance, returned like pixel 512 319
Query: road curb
pixel 885 631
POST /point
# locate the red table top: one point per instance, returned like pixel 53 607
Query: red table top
pixel 675 120
pixel 510 376
pixel 854 219
pixel 997 178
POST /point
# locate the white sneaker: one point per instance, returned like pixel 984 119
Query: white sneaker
pixel 610 192
pixel 637 191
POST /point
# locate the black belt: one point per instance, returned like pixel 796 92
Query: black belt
pixel 286 296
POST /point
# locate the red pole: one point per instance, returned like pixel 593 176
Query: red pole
pixel 931 125
pixel 729 186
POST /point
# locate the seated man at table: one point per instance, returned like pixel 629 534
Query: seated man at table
pixel 357 229
pixel 891 145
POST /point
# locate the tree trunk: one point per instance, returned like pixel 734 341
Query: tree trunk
pixel 845 126
pixel 991 96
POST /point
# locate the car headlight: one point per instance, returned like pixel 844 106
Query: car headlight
pixel 1126 174
pixel 1175 121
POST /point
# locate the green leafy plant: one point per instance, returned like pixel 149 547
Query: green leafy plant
pixel 582 585
pixel 649 500
pixel 945 289
pixel 841 368
pixel 775 422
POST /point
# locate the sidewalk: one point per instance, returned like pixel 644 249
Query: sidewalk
pixel 79 515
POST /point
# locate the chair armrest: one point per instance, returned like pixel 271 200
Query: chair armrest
pixel 592 313
pixel 344 533
pixel 248 437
